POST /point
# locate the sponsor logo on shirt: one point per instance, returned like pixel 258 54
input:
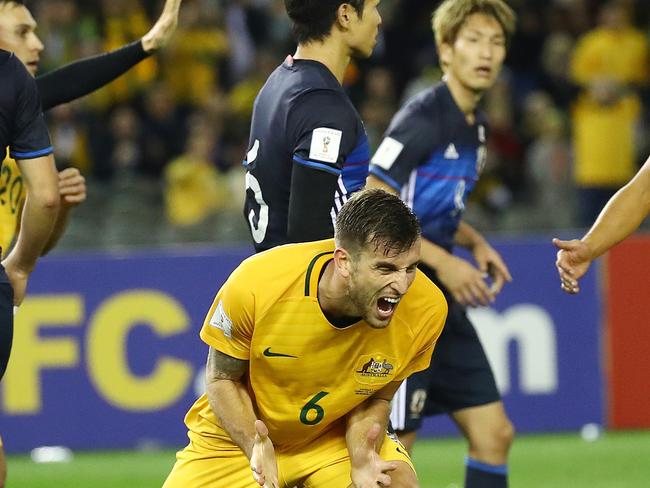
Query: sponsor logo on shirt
pixel 450 152
pixel 325 145
pixel 221 321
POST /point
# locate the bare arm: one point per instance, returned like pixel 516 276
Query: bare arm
pixel 38 217
pixel 621 216
pixel 229 398
pixel 366 426
pixel 163 29
pixel 231 403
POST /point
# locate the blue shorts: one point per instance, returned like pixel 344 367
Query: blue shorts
pixel 459 376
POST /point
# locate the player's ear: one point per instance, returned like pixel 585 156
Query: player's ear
pixel 344 15
pixel 445 52
pixel 342 262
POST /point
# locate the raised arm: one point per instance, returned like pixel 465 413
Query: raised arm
pixel 87 75
pixel 621 216
pixel 232 405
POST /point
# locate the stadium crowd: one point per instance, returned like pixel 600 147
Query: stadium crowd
pixel 162 146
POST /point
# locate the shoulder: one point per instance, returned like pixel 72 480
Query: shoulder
pixel 275 271
pixel 422 108
pixel 320 100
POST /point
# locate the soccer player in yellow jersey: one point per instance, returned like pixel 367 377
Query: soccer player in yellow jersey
pixel 307 345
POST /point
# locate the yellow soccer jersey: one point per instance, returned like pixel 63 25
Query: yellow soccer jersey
pixel 304 373
pixel 12 196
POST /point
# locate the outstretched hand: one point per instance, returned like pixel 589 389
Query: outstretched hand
pixel 263 462
pixel 368 469
pixel 164 28
pixel 573 260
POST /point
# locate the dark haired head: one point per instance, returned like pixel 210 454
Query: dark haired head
pixel 313 19
pixel 377 220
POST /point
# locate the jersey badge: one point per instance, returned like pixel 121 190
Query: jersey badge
pixel 325 144
pixel 221 321
pixel 450 152
pixel 387 153
pixel 374 369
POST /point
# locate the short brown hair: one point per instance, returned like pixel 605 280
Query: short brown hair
pixel 375 219
pixel 450 16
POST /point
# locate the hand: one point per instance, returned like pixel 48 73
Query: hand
pixel 72 187
pixel 573 260
pixel 368 469
pixel 465 282
pixel 489 261
pixel 164 28
pixel 263 462
pixel 18 279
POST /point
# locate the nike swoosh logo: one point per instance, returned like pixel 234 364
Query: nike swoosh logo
pixel 269 354
pixel 400 451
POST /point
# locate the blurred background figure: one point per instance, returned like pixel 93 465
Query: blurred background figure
pixel 610 65
pixel 576 71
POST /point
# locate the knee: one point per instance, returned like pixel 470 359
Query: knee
pixel 493 442
pixel 504 434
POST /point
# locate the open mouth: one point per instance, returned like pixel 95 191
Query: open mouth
pixel 484 71
pixel 386 306
pixel 33 65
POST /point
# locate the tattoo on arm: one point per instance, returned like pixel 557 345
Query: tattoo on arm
pixel 223 367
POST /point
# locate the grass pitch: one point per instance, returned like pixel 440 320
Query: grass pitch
pixel 616 460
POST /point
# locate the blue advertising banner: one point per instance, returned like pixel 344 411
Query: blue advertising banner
pixel 544 346
pixel 107 353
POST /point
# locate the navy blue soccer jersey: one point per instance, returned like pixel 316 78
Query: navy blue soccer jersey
pixel 434 158
pixel 302 120
pixel 22 125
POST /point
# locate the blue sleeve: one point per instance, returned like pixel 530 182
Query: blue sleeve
pixel 408 143
pixel 323 130
pixel 30 138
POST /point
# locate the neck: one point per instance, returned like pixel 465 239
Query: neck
pixel 465 98
pixel 331 52
pixel 332 295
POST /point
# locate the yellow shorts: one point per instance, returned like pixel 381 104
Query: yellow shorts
pixel 324 463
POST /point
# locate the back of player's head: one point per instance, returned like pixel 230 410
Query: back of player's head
pixel 376 219
pixel 450 16
pixel 313 19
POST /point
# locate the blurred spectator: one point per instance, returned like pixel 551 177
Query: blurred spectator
pixel 609 64
pixel 549 163
pixel 163 131
pixel 194 189
pixel 191 62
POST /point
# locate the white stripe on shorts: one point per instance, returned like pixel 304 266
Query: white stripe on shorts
pixel 398 408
